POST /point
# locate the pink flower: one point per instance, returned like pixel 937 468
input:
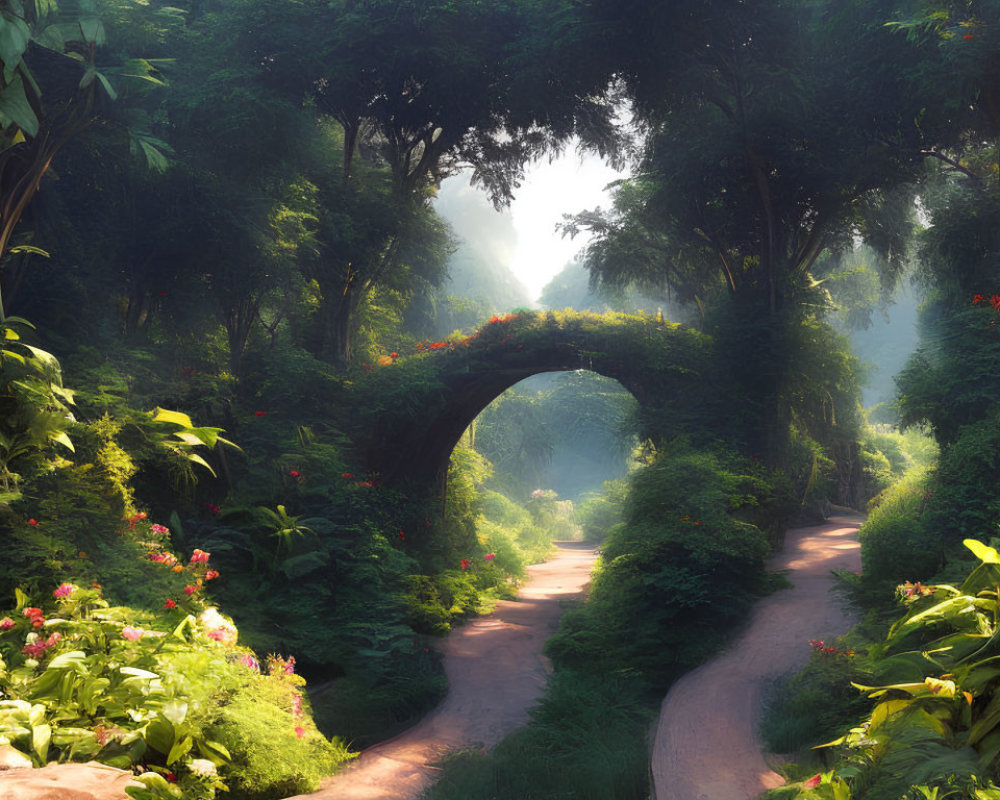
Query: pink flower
pixel 37 649
pixel 132 634
pixel 297 705
pixel 300 731
pixel 490 556
pixel 294 473
pixel 289 668
pixel 64 590
pixel 219 635
pixel 160 528
pixel 170 604
pixel 813 782
pixel 250 662
pixel 212 574
pixel 200 557
pixel 33 521
pixel 6 624
pixel 189 590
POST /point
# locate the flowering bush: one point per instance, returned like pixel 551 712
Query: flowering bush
pixel 85 681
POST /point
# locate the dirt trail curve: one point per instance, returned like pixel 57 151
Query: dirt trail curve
pixel 706 745
pixel 496 671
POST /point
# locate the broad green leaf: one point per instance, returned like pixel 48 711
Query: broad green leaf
pixel 41 735
pixel 214 751
pixel 92 30
pixel 197 459
pixel 63 438
pixel 984 553
pixel 14 107
pixel 73 659
pixel 135 672
pixel 175 711
pixel 14 36
pixel 107 86
pixel 160 735
pixel 155 159
pixel 179 750
pixel 176 417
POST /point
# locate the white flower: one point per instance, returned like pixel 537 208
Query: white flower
pixel 202 766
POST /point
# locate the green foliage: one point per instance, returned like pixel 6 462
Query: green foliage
pixel 896 543
pixel 934 730
pixel 34 407
pixel 584 741
pixel 271 759
pixel 814 705
pixel 601 511
pixel 85 681
pixel 659 577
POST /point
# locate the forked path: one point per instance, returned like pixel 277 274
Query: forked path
pixel 496 672
pixel 706 745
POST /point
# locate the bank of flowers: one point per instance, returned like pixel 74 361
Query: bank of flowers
pixel 173 697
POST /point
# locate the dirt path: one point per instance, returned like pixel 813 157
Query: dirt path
pixel 496 671
pixel 706 745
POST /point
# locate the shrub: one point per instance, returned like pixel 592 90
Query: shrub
pixel 672 577
pixel 85 681
pixel 896 544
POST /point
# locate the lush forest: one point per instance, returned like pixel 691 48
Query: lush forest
pixel 230 303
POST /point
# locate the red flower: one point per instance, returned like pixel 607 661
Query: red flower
pixel 977 298
pixel 465 563
pixel 171 777
pixel 401 536
pixel 813 782
pixel 260 413
pixel 393 355
pixel 346 476
pixel 294 473
pixel 969 36
pixel 170 604
pixel 995 301
pixel 211 575
pixel 33 521
pixel 189 590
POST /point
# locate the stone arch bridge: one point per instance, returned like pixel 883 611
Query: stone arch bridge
pixel 419 406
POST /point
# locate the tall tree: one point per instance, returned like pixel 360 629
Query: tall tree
pixel 777 130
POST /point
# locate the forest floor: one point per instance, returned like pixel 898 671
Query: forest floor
pixel 706 745
pixel 496 671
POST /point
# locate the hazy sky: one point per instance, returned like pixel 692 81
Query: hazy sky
pixel 564 186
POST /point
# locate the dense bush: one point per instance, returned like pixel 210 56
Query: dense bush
pixel 932 730
pixel 170 692
pixel 656 604
pixel 896 544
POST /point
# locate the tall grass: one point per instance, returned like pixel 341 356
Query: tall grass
pixel 587 741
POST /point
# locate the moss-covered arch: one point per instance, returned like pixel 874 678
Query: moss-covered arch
pixel 419 405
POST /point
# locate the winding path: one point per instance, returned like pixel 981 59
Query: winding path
pixel 706 745
pixel 496 672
